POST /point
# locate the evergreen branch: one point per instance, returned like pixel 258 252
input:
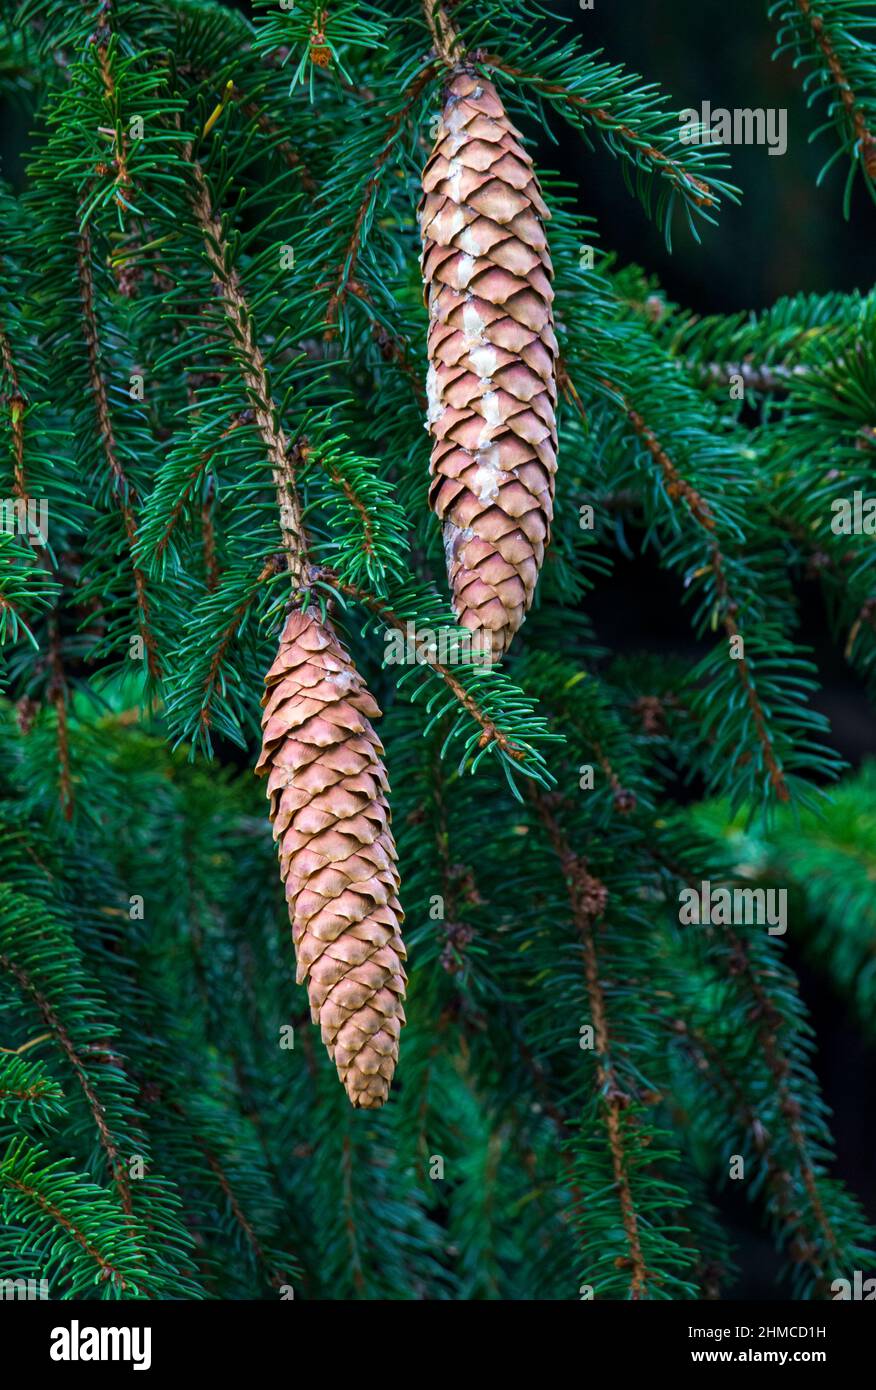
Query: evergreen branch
pixel 122 490
pixel 104 52
pixel 59 695
pixel 729 608
pixel 587 898
pixel 213 681
pixel 354 500
pixel 349 1216
pixel 830 861
pixel 662 165
pixel 710 1066
pixel 192 483
pixel 340 286
pixel 283 147
pixel 767 998
pixel 64 1041
pixel 678 487
pixel 17 403
pixel 445 40
pixel 821 36
pixel 278 451
pixel 25 588
pixel 491 733
pixel 208 532
pixel 276 1280
pixel 393 346
pixel 864 138
pixel 25 1087
pixel 50 1192
pixel 754 376
pixel 768 350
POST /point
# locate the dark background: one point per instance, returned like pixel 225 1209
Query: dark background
pixel 786 236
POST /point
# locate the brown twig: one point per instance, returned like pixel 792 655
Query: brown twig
pixel 445 40
pixel 238 318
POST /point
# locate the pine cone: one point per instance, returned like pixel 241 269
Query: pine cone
pixel 491 384
pixel 328 791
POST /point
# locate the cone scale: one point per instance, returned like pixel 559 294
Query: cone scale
pixel 491 385
pixel 330 815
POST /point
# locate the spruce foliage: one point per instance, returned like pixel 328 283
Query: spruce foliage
pixel 215 245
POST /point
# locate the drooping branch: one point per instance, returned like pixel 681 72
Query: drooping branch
pixel 678 488
pixel 491 731
pixel 276 1280
pixel 280 453
pixel 710 1067
pixel 662 163
pixel 863 136
pixel 121 488
pixel 65 1042
pixel 346 273
pixel 768 1018
pixel 587 898
pixel 108 1270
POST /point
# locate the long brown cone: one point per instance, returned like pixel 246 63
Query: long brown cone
pixel 492 352
pixel 328 791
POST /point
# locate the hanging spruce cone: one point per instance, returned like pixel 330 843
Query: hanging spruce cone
pixel 492 351
pixel 328 792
